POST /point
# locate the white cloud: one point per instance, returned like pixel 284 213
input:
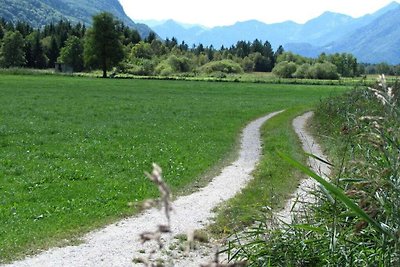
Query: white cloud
pixel 224 12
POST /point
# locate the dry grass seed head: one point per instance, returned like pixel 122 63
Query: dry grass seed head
pixel 156 177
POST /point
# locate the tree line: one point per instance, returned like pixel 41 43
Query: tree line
pixel 109 44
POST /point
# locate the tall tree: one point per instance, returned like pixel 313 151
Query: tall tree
pixel 268 52
pixel 72 53
pixel 278 52
pixel 103 47
pixel 53 52
pixel 12 53
pixel 1 32
pixel 39 59
pixel 151 37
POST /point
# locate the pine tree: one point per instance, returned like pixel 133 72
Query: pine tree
pixel 1 32
pixel 39 59
pixel 53 52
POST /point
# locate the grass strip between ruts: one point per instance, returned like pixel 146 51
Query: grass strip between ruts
pixel 274 179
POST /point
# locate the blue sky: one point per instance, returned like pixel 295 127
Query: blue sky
pixel 226 12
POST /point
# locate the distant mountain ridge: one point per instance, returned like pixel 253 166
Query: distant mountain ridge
pixel 41 12
pixel 330 32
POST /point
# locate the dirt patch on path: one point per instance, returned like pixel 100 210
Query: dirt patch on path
pixel 118 244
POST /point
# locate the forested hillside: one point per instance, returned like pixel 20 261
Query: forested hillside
pixel 41 12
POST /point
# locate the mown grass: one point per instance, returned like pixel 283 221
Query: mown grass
pixel 273 180
pixel 73 150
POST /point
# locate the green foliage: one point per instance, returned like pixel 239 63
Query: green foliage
pixel 174 64
pixel 285 69
pixel 36 57
pixel 346 64
pixel 52 51
pixel 142 67
pixel 261 63
pixel 12 54
pixel 290 57
pixel 72 53
pixel 1 32
pixel 247 64
pixel 141 50
pixel 323 71
pixel 103 47
pixel 224 66
pixel 303 71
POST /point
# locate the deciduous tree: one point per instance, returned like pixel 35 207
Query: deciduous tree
pixel 103 47
pixel 72 53
pixel 12 53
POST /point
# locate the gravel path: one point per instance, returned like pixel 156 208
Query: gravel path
pixel 118 244
pixel 302 195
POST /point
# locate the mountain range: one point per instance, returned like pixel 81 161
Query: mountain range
pixel 42 12
pixel 372 38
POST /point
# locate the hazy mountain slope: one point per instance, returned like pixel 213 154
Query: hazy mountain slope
pixel 170 29
pixel 320 31
pixel 227 35
pixel 330 32
pixel 376 42
pixel 41 12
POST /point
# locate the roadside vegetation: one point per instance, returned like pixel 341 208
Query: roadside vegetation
pixel 355 221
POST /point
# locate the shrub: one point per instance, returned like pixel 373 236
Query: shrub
pixel 323 71
pixel 285 69
pixel 303 71
pixel 174 64
pixel 139 67
pixel 225 66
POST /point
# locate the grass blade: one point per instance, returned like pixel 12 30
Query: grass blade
pixel 338 193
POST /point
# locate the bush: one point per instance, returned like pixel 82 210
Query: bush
pixel 174 64
pixel 323 71
pixel 303 71
pixel 285 69
pixel 225 66
pixel 139 67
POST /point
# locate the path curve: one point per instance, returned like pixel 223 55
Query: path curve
pixel 118 244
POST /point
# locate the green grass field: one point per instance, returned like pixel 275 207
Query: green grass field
pixel 73 150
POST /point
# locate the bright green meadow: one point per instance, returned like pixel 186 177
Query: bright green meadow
pixel 73 150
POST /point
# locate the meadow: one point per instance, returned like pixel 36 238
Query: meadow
pixel 73 150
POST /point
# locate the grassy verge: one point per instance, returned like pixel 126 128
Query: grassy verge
pixel 73 150
pixel 253 77
pixel 273 180
pixel 355 220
